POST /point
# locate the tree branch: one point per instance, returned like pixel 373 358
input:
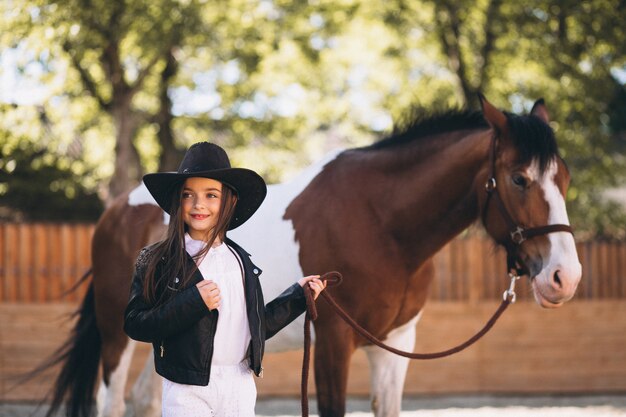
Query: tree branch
pixel 490 37
pixel 85 77
pixel 449 34
pixel 144 73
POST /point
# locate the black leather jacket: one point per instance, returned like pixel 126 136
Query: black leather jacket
pixel 182 329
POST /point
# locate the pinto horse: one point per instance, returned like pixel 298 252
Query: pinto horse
pixel 378 214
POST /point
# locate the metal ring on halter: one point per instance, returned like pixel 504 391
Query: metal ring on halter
pixel 517 236
pixel 490 185
pixel 510 293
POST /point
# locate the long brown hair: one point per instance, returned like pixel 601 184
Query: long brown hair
pixel 171 254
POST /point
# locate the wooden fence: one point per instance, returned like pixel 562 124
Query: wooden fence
pixel 573 349
pixel 40 262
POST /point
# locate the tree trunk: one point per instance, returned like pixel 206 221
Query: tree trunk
pixel 126 173
pixel 449 28
pixel 170 155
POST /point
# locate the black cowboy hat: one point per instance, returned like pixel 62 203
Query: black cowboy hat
pixel 208 160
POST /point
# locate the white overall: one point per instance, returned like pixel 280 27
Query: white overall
pixel 231 391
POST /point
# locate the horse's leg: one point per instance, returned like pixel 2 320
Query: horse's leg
pixel 117 351
pixel 388 371
pixel 333 349
pixel 111 392
pixel 146 393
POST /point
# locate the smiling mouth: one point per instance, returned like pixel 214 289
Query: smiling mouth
pixel 199 216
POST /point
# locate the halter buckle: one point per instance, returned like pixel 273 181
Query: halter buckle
pixel 517 235
pixel 510 293
pixel 490 185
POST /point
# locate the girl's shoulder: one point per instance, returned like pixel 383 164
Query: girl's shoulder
pixel 236 247
pixel 145 255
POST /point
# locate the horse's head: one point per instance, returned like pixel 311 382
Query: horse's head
pixel 523 205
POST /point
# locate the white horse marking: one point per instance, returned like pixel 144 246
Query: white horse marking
pixel 388 370
pixel 141 195
pixel 146 393
pixel 279 262
pixel 110 399
pixel 562 259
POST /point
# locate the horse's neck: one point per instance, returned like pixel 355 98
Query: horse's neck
pixel 429 190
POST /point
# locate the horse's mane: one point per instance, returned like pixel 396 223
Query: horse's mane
pixel 419 123
pixel 531 136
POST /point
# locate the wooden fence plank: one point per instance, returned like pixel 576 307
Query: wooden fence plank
pixel 621 267
pixel 3 269
pixel 475 268
pixel 580 248
pixel 56 249
pixel 84 256
pixel 594 271
pixel 27 261
pixel 613 262
pixel 20 261
pixel 600 270
pixel 12 260
pixel 39 256
pixel 66 257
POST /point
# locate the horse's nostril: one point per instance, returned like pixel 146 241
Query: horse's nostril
pixel 557 279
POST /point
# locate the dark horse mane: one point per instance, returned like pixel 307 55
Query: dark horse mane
pixel 531 136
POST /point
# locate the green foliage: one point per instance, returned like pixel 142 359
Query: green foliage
pixel 37 185
pixel 279 83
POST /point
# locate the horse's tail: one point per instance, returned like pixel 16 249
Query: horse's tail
pixel 78 283
pixel 80 356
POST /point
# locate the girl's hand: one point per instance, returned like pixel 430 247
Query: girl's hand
pixel 210 293
pixel 315 284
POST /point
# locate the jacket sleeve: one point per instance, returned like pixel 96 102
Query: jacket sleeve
pixel 284 309
pixel 148 323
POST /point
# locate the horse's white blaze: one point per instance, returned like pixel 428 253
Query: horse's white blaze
pixel 110 399
pixel 388 370
pixel 562 257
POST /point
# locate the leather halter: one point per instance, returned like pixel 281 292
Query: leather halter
pixel 517 233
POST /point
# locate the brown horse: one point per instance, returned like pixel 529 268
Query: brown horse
pixel 376 214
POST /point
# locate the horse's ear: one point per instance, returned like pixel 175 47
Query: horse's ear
pixel 539 110
pixel 496 119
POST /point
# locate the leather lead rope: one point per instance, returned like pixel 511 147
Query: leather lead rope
pixel 334 278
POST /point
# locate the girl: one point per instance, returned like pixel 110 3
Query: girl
pixel 196 295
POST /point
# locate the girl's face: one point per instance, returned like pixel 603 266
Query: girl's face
pixel 201 206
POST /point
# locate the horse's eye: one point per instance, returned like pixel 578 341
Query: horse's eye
pixel 519 180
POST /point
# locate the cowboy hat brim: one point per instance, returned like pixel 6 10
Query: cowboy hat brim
pixel 247 184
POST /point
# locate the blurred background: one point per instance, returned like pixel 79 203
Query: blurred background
pixel 95 93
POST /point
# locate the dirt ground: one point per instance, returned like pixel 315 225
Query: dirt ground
pixel 442 406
